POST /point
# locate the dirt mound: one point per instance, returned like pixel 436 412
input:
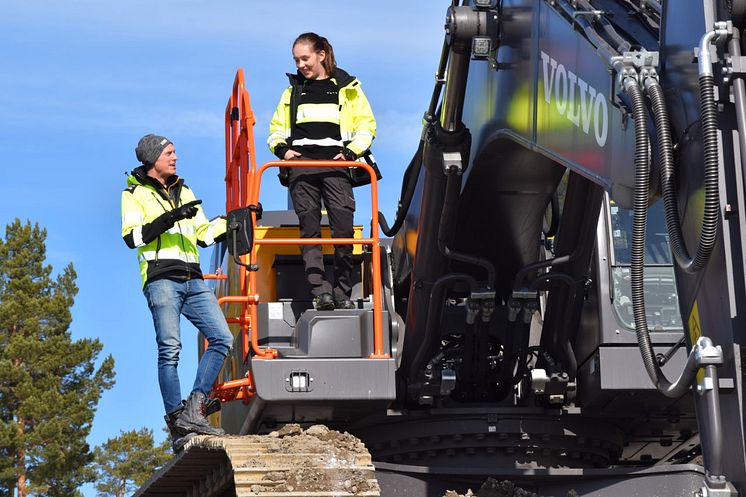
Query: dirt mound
pixel 338 464
pixel 291 439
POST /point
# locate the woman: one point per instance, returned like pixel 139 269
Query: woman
pixel 323 115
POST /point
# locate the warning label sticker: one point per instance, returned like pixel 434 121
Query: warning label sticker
pixel 695 331
pixel 275 310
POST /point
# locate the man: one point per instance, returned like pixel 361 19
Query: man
pixel 163 220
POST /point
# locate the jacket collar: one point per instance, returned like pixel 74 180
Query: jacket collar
pixel 339 75
pixel 139 176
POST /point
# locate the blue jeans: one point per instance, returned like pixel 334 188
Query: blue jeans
pixel 169 299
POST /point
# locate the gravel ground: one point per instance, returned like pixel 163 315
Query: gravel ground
pixel 494 488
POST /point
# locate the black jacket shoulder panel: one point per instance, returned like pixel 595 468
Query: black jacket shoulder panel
pixel 342 77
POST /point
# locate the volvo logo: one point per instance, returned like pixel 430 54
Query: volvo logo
pixel 575 99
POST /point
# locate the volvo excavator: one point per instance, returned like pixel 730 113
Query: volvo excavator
pixel 559 301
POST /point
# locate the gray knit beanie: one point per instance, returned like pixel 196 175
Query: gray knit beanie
pixel 149 148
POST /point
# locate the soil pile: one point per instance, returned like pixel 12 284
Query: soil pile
pixel 317 460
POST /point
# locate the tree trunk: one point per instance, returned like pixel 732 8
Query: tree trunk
pixel 21 484
pixel 21 461
pixel 21 479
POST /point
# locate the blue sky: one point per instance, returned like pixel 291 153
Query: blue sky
pixel 82 80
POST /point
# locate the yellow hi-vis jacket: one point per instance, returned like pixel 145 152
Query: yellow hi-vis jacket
pixel 172 253
pixel 357 125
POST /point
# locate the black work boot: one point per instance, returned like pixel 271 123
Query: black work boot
pixel 344 304
pixel 324 302
pixel 193 420
pixel 178 440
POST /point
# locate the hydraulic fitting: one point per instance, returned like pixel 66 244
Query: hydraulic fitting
pixel 473 29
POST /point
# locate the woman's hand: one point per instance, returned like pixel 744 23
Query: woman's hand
pixel 291 154
pixel 345 154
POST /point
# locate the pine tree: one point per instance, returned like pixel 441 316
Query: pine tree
pixel 125 462
pixel 49 383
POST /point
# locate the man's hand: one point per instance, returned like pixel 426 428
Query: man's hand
pixel 165 222
pixel 291 154
pixel 186 211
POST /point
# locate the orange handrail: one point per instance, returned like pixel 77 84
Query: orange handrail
pixel 239 144
pixel 255 180
pixel 216 276
pixel 244 320
pixel 239 160
pixel 316 241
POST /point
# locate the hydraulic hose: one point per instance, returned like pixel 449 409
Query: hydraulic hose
pixel 708 235
pixel 554 224
pixel 520 277
pixel 522 366
pixel 437 294
pixel 562 338
pixel 439 82
pixel 603 49
pixel 506 377
pixel 453 188
pixel 620 44
pixel 637 262
pixel 411 176
pixel 654 5
pixel 572 360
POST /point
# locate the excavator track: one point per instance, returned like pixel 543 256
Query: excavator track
pixel 290 462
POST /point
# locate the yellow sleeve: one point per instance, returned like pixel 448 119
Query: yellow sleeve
pixel 279 126
pixel 133 219
pixel 363 123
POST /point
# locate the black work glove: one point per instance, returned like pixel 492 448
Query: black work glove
pixel 165 222
pixel 186 211
pixel 349 154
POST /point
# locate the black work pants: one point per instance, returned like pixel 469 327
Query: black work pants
pixel 307 187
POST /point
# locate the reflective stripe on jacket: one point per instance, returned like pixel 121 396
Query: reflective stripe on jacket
pixel 357 124
pixel 173 253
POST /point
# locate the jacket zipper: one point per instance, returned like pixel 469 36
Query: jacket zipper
pixel 175 204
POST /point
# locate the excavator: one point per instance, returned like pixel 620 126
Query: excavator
pixel 560 298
